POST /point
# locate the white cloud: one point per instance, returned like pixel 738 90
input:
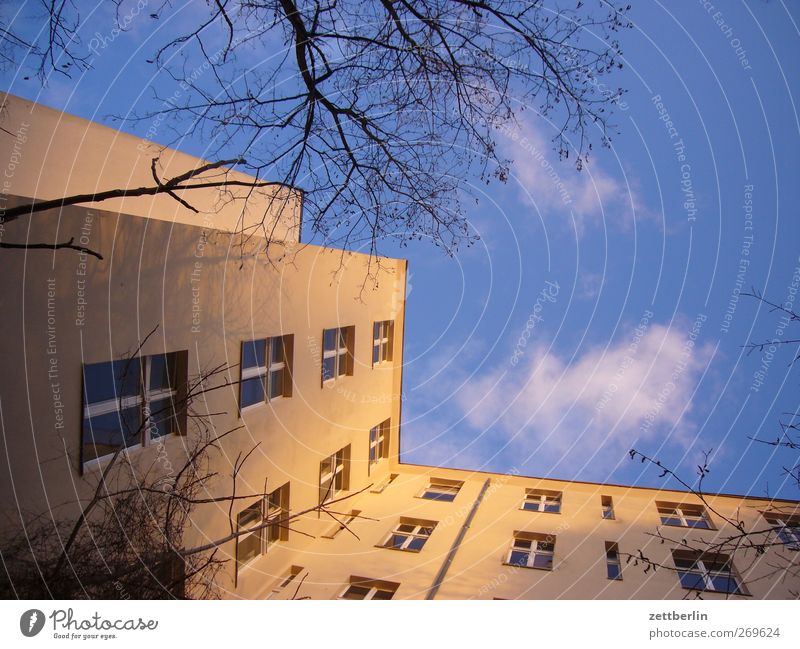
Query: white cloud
pixel 592 194
pixel 589 410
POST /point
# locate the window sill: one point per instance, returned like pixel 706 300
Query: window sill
pixel 537 511
pixel 329 383
pixel 99 464
pixel 260 404
pixel 717 592
pixel 406 550
pixel 435 500
pixel 516 565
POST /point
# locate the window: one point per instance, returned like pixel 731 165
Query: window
pixel 382 335
pixel 409 534
pixel 384 483
pixel 532 550
pixel 607 505
pixel 272 507
pixel 441 489
pixel 361 588
pixel 265 370
pixel 683 515
pixel 132 402
pixel 288 578
pixel 787 529
pixel 613 565
pixel 711 572
pixel 541 500
pixel 379 442
pixel 353 515
pixel 334 474
pixel 337 356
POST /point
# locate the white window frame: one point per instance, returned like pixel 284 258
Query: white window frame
pixel 378 441
pixel 381 341
pixel 340 353
pixel 702 570
pixel 141 400
pixel 607 508
pixel 417 532
pixel 613 561
pixel 684 513
pixel 389 479
pixel 288 578
pixel 438 486
pixel 535 550
pixel 260 532
pixel 787 531
pixel 272 505
pixel 335 476
pixel 541 498
pixel 265 372
pixel 344 524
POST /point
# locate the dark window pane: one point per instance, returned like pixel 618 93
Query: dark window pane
pixel 356 592
pixel 162 372
pixel 342 364
pixel 697 522
pixel 104 434
pixel 162 418
pixel 724 583
pixel 252 391
pixel 438 495
pixel 329 368
pixel 692 580
pixel 552 507
pixel 249 546
pixel 329 339
pixel 376 353
pixel 249 515
pixel 416 543
pixel 670 520
pixel 543 561
pixel 376 331
pixel 107 381
pixel 518 558
pixel 275 384
pixel 254 353
pixel 342 339
pixel 396 540
pixel 613 571
pixel 383 594
pixel 406 528
pixel 531 505
pixel 276 350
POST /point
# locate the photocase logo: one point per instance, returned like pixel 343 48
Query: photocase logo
pixel 31 622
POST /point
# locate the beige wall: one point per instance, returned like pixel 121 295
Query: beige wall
pixel 65 309
pixel 478 570
pixel 205 290
pixel 49 154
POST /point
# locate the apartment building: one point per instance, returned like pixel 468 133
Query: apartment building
pixel 309 368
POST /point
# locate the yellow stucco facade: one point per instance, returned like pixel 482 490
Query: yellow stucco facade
pixel 200 286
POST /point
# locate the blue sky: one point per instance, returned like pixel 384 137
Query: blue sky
pixel 599 311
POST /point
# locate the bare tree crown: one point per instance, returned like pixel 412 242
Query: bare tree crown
pixel 378 110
